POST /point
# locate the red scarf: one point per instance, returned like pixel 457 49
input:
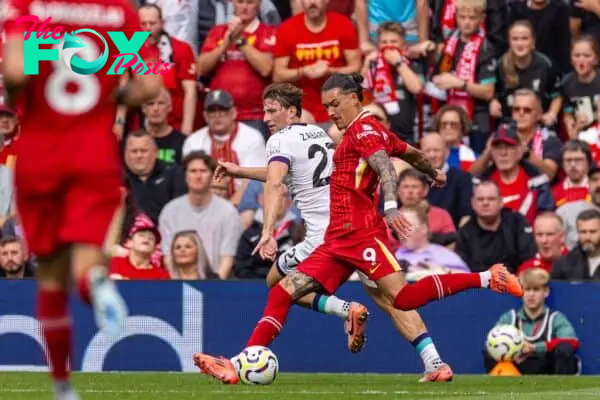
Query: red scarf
pixel 449 18
pixel 223 151
pixel 380 78
pixel 465 67
pixel 537 143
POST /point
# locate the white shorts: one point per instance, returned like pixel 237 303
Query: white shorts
pixel 289 260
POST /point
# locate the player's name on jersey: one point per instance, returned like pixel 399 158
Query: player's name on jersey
pixel 313 132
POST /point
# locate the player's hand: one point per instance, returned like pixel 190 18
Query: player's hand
pixel 226 169
pixel 398 223
pixel 440 179
pixel 316 70
pixel 266 247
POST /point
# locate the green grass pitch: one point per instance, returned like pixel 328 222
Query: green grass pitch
pixel 179 386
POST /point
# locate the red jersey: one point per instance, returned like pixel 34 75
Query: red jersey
pixel 234 73
pixel 122 266
pixel 539 262
pixel 67 119
pixel 353 183
pixel 304 48
pixel 566 192
pixel 180 57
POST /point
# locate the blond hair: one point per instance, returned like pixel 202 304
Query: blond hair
pixel 534 278
pixel 478 5
pixel 509 61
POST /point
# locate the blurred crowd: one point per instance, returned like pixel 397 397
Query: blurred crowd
pixel 502 95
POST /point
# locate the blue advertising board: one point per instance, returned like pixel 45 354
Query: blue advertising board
pixel 171 320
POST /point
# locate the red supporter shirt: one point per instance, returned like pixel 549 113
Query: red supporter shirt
pixel 565 192
pixel 304 48
pixel 539 262
pixel 235 75
pixel 353 182
pixel 69 116
pixel 122 266
pixel 183 68
pixel 516 195
pixel 8 153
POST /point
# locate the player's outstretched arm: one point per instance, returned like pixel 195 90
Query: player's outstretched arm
pixel 229 169
pixel 139 90
pixel 381 163
pixel 417 159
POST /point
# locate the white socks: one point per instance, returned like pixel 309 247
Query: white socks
pixel 485 278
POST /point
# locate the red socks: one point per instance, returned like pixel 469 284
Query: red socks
pixel 434 287
pixel 56 328
pixel 276 311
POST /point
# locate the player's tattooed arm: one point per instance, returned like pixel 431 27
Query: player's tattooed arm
pixel 299 285
pixel 417 159
pixel 381 163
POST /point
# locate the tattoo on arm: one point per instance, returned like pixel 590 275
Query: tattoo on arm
pixel 382 165
pixel 299 285
pixel 417 159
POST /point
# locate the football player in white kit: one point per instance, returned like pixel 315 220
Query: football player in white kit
pixel 300 155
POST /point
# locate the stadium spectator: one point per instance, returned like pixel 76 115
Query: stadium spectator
pixel 550 22
pixel 539 147
pixel 312 45
pixel 219 12
pixel 549 237
pixel 168 139
pixel 14 261
pixel 179 19
pixel 394 81
pixel 419 257
pixel 140 263
pixel 466 69
pixel 495 234
pixel 523 187
pixel 550 340
pixel 252 266
pixel 522 67
pixel 152 182
pixel 226 139
pixel 6 193
pixel 576 159
pixel 581 263
pixel 180 81
pixel 581 88
pixel 569 212
pixel 453 125
pixel 238 57
pixel 9 130
pixel 585 19
pixel 455 197
pixel 591 136
pixel 188 258
pixel 214 219
pixel 412 192
pixel 443 21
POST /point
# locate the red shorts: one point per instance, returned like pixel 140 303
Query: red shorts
pixel 57 209
pixel 332 263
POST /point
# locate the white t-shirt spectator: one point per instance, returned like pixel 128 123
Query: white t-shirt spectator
pixel 181 19
pixel 217 224
pixel 249 145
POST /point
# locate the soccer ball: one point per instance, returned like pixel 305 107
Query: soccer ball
pixel 257 365
pixel 504 342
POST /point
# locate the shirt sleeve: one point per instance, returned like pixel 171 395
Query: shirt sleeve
pixel 249 200
pixel 283 47
pixel 267 41
pixel 486 65
pixel 231 232
pixel 212 39
pixel 562 328
pixel 279 150
pixel 446 224
pixel 505 319
pixel 398 145
pixel 349 34
pixel 368 139
pixel 186 68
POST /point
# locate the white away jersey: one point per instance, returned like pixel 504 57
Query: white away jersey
pixel 308 151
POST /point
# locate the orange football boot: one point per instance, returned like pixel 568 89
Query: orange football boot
pixel 503 281
pixel 355 326
pixel 442 374
pixel 219 368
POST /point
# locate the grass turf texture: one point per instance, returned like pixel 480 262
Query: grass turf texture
pixel 179 386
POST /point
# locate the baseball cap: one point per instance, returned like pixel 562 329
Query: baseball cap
pixel 144 223
pixel 218 98
pixel 506 134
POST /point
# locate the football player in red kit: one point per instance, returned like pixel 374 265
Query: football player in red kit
pixel 356 238
pixel 67 174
